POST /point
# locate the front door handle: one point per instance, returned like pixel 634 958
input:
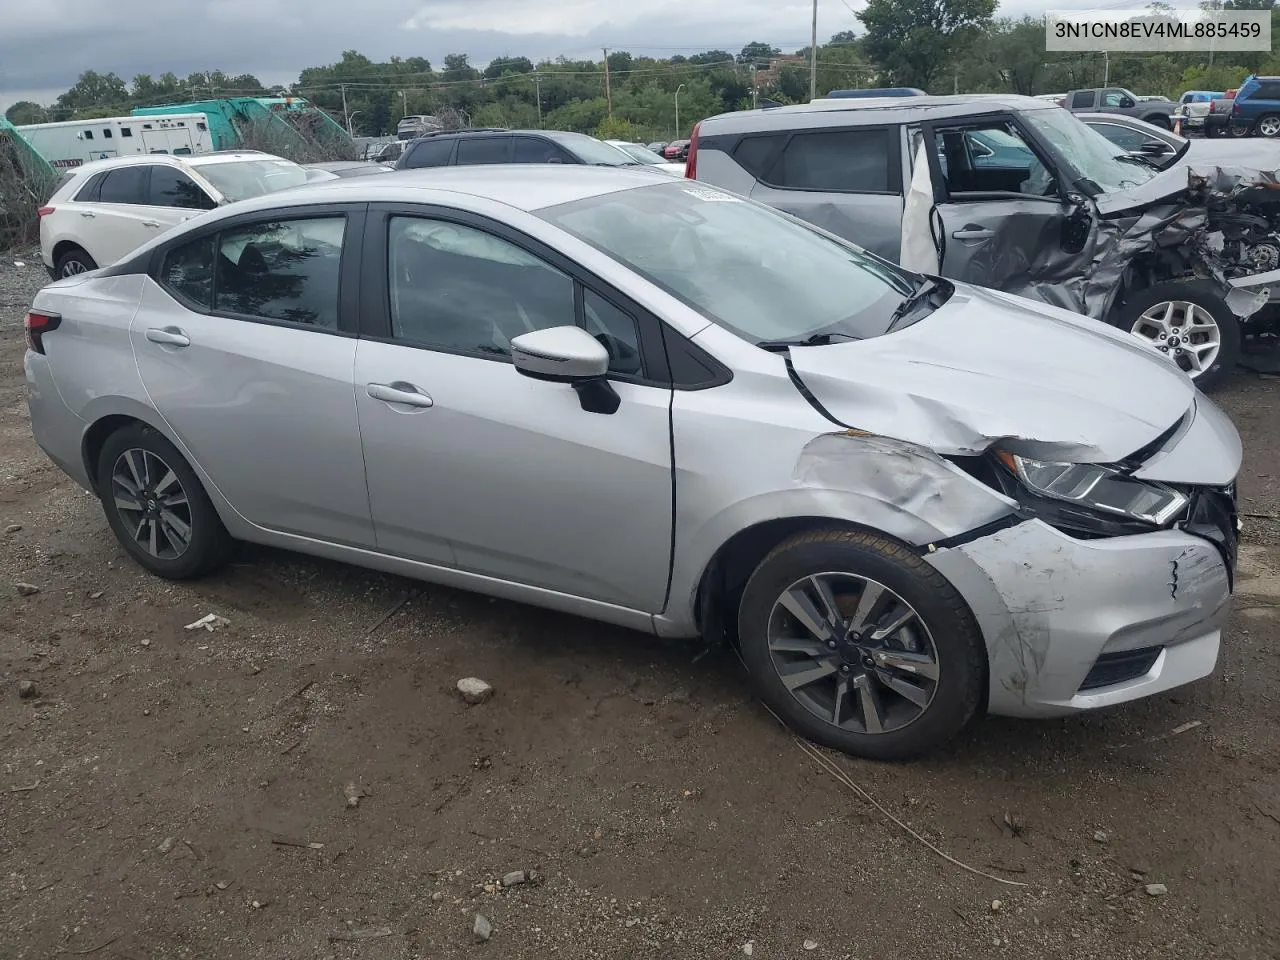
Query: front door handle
pixel 399 392
pixel 151 223
pixel 972 231
pixel 170 336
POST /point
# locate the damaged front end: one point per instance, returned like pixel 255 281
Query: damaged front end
pixel 1216 224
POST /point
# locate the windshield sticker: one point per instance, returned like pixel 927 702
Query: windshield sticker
pixel 711 196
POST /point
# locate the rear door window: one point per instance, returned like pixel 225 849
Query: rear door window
pixel 756 154
pixel 124 185
pixel 843 161
pixel 484 150
pixel 429 153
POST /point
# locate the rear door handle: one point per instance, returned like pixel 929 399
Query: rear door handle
pixel 151 223
pixel 399 392
pixel 168 335
pixel 973 232
pixel 88 214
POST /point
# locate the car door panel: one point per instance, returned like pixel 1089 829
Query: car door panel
pixel 509 477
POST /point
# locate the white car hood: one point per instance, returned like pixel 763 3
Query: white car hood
pixel 988 367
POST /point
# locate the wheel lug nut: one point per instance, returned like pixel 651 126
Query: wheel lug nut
pixel 1164 336
pixel 1164 349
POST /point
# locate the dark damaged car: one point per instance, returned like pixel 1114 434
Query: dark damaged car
pixel 1019 195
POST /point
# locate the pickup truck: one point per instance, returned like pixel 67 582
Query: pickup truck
pixel 1193 107
pixel 1121 101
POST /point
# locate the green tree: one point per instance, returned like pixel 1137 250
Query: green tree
pixel 757 54
pixel 26 111
pixel 457 68
pixel 914 41
pixel 95 89
pixel 501 65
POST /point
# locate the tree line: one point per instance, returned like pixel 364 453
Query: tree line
pixel 942 46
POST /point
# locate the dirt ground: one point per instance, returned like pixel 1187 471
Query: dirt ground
pixel 180 793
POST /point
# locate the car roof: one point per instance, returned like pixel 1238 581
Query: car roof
pixel 525 186
pixel 165 159
pixel 858 112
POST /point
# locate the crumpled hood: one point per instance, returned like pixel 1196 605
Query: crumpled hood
pixel 1190 174
pixel 989 366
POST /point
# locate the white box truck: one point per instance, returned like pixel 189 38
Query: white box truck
pixel 71 143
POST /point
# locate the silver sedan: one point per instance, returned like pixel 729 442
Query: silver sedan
pixel 663 406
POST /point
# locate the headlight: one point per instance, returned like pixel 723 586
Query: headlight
pixel 1097 488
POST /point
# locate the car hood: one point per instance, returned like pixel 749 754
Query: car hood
pixel 990 367
pixel 1219 172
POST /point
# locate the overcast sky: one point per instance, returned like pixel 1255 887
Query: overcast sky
pixel 45 44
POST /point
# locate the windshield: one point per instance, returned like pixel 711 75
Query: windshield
pixel 597 152
pixel 1091 156
pixel 242 179
pixel 744 266
pixel 639 154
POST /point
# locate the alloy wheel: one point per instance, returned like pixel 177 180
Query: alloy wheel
pixel 1184 332
pixel 152 503
pixel 1269 126
pixel 853 653
pixel 73 267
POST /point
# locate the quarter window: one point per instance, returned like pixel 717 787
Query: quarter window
pixel 285 270
pixel 844 161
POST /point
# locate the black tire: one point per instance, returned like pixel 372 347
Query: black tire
pixel 1160 120
pixel 72 262
pixel 1212 132
pixel 1239 130
pixel 1203 295
pixel 208 546
pixel 961 656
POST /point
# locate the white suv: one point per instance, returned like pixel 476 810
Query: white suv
pixel 106 209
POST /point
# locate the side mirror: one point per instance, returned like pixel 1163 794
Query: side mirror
pixel 1154 148
pixel 1127 103
pixel 568 355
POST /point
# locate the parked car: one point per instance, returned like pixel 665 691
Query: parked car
pixel 1058 98
pixel 1165 149
pixel 657 146
pixel 1217 122
pixel 1121 101
pixel 1054 219
pixel 349 168
pixel 646 157
pixel 106 209
pixel 1256 108
pixel 906 500
pixel 1193 108
pixel 466 147
pixel 676 150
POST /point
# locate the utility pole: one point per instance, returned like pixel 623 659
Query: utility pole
pixel 678 89
pixel 346 116
pixel 608 91
pixel 1106 68
pixel 813 55
pixel 537 82
pixel 404 102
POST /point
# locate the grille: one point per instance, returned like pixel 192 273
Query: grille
pixel 1113 668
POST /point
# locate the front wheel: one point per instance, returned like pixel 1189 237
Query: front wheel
pixel 1189 324
pixel 859 644
pixel 156 506
pixel 1269 126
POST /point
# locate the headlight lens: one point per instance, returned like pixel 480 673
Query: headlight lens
pixel 1098 488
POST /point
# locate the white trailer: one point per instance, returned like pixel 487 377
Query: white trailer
pixel 71 143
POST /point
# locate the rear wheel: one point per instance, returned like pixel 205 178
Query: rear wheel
pixel 1239 130
pixel 73 262
pixel 1190 324
pixel 1160 120
pixel 156 506
pixel 857 643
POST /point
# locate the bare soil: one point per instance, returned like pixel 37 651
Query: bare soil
pixel 183 793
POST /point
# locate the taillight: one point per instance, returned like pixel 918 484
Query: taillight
pixel 691 164
pixel 1235 108
pixel 37 325
pixel 44 211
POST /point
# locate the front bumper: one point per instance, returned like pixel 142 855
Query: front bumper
pixel 1072 625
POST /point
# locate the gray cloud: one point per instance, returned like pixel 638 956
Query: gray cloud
pixel 275 39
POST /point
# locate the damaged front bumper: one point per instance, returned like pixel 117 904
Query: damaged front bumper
pixel 1073 625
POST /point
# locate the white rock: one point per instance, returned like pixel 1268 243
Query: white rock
pixel 811 944
pixel 749 947
pixel 995 906
pixel 165 845
pixel 1101 836
pixel 1156 889
pixel 482 928
pixel 474 690
pixel 210 622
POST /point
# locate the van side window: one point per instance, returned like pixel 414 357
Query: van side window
pixel 753 153
pixel 88 134
pixel 106 133
pixel 126 131
pixel 842 161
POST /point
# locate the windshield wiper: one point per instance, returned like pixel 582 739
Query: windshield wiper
pixel 923 296
pixel 812 340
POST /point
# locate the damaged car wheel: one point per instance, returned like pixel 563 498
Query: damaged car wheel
pixel 1190 324
pixel 859 644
